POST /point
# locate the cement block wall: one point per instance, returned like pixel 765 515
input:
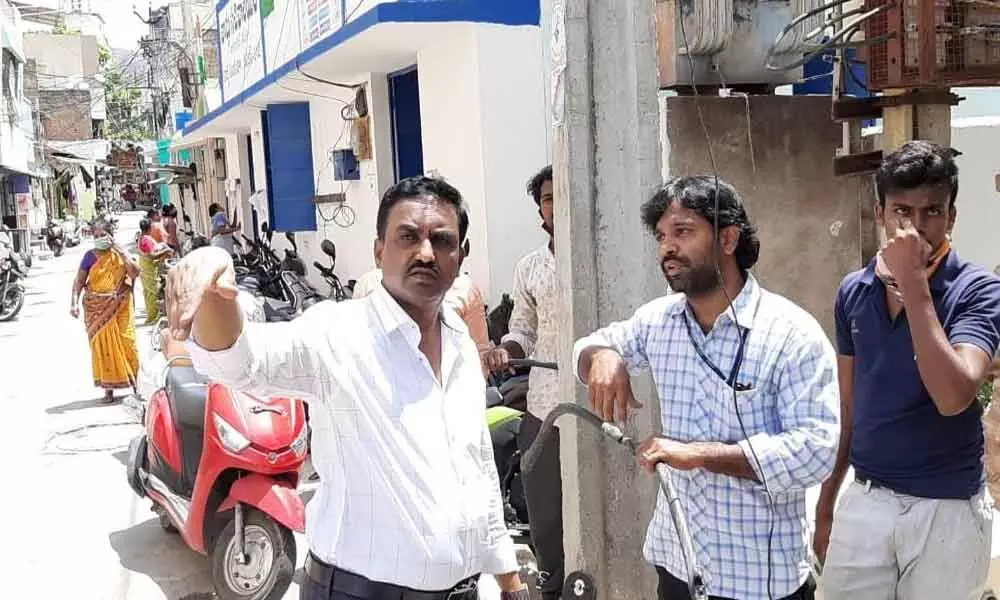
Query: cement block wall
pixel 809 222
pixel 65 114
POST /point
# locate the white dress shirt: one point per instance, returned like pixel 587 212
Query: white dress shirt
pixel 408 488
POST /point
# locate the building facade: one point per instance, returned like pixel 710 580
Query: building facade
pixel 325 104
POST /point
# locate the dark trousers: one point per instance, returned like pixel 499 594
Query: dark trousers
pixel 311 589
pixel 672 588
pixel 543 495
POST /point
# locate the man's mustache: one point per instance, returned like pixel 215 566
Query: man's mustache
pixel 422 267
pixel 673 259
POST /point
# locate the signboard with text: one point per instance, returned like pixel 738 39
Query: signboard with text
pixel 320 18
pixel 241 45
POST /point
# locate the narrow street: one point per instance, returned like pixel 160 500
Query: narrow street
pixel 73 527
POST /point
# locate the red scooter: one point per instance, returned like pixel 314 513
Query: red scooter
pixel 222 467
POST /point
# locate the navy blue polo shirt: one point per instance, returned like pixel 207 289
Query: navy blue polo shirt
pixel 898 438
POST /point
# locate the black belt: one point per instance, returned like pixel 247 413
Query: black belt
pixel 357 586
pixel 870 483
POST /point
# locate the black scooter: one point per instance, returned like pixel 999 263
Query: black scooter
pixel 12 269
pixel 54 237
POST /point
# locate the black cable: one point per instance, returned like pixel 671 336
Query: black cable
pixel 718 271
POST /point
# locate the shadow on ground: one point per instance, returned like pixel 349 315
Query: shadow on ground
pixel 81 405
pixel 146 549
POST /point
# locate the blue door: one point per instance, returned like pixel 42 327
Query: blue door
pixel 404 102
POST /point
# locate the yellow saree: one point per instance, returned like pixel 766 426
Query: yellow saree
pixel 108 314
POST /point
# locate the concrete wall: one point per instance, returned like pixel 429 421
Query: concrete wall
pixel 975 234
pixel 63 61
pixel 482 107
pixel 65 114
pixel 809 221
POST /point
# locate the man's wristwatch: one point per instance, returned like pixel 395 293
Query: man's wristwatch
pixel 521 594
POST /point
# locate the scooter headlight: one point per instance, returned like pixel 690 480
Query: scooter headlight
pixel 233 440
pixel 301 443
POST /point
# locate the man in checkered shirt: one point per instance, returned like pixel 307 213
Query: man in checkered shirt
pixel 747 426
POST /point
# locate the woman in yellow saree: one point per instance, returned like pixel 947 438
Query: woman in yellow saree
pixel 105 279
pixel 151 257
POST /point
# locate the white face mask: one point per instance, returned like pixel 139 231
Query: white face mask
pixel 102 243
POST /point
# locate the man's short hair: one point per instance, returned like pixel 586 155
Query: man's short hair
pixel 537 181
pixel 915 165
pixel 421 186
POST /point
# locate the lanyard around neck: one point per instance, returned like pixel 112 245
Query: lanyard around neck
pixel 744 333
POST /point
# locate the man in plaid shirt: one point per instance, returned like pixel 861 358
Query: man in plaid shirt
pixel 748 398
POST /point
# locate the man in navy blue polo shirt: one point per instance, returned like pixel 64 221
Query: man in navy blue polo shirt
pixel 917 330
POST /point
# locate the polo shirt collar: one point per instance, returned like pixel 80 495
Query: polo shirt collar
pixel 744 305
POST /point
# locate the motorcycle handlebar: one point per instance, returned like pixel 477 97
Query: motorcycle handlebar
pixel 695 579
pixel 518 363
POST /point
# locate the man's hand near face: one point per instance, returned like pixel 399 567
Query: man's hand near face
pixel 906 255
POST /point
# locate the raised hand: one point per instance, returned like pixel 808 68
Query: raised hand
pixel 203 276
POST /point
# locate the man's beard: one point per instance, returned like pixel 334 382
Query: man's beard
pixel 695 280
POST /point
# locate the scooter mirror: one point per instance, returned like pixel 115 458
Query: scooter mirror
pixel 329 249
pixel 290 236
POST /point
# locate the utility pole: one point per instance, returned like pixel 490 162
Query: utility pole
pixel 606 156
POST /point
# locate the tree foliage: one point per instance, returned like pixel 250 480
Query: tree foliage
pixel 127 118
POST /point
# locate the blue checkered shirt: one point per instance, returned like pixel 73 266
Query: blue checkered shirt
pixel 791 414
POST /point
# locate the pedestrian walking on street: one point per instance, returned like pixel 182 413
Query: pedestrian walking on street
pixel 170 225
pixel 151 257
pixel 105 279
pixel 157 229
pixel 222 229
pixel 917 331
pixel 408 504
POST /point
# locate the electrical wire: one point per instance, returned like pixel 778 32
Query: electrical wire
pixel 840 39
pixel 738 367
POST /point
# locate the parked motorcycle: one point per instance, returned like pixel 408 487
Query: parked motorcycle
pixel 12 269
pixel 72 231
pixel 281 282
pixel 54 237
pixel 192 239
pixel 338 292
pixel 506 403
pixel 222 467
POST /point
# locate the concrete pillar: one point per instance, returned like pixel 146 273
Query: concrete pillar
pixel 606 163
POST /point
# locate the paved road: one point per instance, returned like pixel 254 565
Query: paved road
pixel 71 527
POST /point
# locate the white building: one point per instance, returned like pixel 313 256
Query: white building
pixel 439 86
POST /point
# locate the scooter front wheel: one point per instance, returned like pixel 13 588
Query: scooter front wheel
pixel 267 567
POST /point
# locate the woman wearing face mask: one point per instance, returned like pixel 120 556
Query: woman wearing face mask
pixel 105 278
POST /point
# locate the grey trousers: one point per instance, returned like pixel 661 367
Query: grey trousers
pixel 889 546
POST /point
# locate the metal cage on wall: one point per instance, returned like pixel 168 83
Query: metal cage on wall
pixel 932 43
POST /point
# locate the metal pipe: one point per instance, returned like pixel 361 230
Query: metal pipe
pixel 695 579
pixel 241 555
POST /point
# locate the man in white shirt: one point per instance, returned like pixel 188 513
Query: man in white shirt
pixel 408 505
pixel 532 332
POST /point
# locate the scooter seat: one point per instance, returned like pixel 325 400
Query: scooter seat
pixel 188 392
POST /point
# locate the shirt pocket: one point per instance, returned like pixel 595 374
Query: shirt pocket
pixel 745 413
